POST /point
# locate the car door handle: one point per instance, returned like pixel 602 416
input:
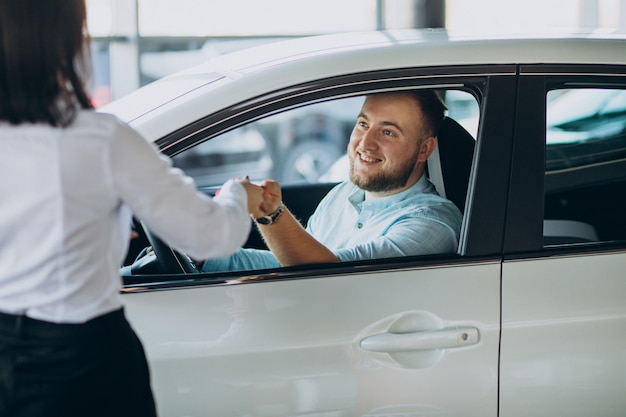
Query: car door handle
pixel 422 340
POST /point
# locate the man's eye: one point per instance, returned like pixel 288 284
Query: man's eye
pixel 388 132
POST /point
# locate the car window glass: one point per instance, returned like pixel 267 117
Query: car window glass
pixel 585 172
pixel 295 146
pixel 233 154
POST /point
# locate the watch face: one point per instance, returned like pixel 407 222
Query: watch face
pixel 264 220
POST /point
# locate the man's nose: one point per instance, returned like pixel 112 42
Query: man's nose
pixel 368 139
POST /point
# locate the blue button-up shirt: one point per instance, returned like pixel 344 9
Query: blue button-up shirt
pixel 416 221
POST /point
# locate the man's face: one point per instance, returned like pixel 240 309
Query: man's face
pixel 386 148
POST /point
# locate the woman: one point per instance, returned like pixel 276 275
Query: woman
pixel 69 179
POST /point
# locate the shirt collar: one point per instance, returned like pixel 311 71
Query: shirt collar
pixel 357 198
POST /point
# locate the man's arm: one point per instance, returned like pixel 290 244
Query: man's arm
pixel 290 243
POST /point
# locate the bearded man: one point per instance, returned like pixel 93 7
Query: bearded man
pixel 388 208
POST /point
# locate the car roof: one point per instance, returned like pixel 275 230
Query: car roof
pixel 569 47
pixel 231 78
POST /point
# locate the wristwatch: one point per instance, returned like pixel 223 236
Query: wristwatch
pixel 271 218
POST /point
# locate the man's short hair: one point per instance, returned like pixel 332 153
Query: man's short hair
pixel 433 109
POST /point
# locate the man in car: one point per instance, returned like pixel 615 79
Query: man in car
pixel 389 207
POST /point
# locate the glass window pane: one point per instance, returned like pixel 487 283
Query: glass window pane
pixel 585 166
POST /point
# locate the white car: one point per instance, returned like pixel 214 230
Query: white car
pixel 528 318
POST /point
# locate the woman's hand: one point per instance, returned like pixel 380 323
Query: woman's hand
pixel 255 197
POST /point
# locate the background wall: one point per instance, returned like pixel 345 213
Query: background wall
pixel 138 41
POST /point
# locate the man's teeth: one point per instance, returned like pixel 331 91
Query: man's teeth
pixel 369 159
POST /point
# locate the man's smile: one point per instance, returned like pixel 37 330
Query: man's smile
pixel 367 159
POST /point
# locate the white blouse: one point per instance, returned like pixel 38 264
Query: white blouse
pixel 66 200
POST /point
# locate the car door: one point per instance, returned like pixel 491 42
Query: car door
pixel 344 343
pixel 415 336
pixel 563 280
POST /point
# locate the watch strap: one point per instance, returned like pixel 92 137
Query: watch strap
pixel 271 218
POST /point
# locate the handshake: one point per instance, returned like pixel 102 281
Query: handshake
pixel 263 199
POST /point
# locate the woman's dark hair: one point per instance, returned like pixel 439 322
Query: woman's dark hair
pixel 44 61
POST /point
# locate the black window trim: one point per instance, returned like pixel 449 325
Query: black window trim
pixel 525 216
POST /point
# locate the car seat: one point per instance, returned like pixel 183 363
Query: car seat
pixel 448 167
pixel 562 232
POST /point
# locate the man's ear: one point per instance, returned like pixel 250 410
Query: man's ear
pixel 427 147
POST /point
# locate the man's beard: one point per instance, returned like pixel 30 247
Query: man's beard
pixel 385 181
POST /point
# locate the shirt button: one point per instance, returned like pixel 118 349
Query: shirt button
pixel 359 225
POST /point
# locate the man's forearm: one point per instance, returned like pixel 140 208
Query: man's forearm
pixel 292 244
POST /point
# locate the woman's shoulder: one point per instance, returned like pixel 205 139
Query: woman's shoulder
pixel 94 124
pixel 88 117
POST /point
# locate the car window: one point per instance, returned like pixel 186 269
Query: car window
pixel 304 148
pixel 585 152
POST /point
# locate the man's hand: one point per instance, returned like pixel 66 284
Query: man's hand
pixel 272 197
pixel 256 197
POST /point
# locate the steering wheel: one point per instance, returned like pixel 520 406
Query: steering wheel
pixel 170 260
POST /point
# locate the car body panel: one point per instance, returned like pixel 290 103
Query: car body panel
pixel 555 312
pixel 279 349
